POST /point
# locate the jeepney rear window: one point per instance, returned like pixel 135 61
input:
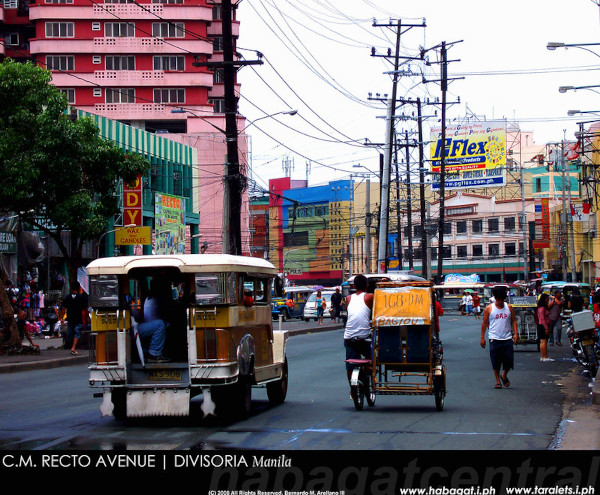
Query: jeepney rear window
pixel 218 288
pixel 104 291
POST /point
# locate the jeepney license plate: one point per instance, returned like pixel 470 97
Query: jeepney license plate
pixel 164 375
pixel 588 342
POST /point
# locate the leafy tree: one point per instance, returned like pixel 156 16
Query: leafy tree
pixel 57 173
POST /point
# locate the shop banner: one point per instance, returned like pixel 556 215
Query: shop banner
pixel 169 224
pixel 542 224
pixel 132 236
pixel 474 157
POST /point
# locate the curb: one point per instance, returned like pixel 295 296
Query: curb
pixel 43 364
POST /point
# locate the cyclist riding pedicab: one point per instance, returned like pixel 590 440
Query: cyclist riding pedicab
pixel 357 335
pixel 392 342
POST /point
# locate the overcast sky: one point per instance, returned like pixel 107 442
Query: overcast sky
pixel 317 60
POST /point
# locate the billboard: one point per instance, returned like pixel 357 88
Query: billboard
pixel 542 224
pixel 169 224
pixel 475 155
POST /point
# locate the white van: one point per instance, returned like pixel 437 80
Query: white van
pixel 310 309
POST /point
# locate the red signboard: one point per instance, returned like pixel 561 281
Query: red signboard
pixel 132 203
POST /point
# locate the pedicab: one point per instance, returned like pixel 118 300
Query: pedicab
pixel 407 353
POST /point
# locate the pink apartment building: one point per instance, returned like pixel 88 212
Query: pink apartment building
pixel 142 64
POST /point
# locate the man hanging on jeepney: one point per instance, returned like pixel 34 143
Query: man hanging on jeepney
pixel 357 335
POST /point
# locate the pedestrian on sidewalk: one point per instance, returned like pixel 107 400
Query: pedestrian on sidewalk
pixel 543 326
pixel 476 305
pixel 555 307
pixel 76 306
pixel 469 304
pixel 499 318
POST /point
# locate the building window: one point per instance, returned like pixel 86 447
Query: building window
pixel 538 185
pixel 218 104
pixel 461 251
pixel 494 250
pixel 168 29
pixel 97 92
pixel 510 249
pixel 119 1
pixel 58 1
pixel 464 210
pixel 119 30
pixel 461 227
pixel 447 228
pixel 493 225
pixel 218 76
pixel 124 95
pixel 118 62
pixel 60 62
pixel 447 252
pixel 11 4
pixel 169 62
pixel 167 1
pixel 477 226
pixel 169 95
pixel 96 26
pixel 96 59
pixel 12 39
pixel 510 223
pixel 477 251
pixel 218 44
pixel 70 94
pixel 60 29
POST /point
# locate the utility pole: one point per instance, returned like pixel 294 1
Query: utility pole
pixel 382 259
pixel 408 205
pixel 235 182
pixel 424 243
pixel 444 88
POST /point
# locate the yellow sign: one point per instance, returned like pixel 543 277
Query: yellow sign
pixel 133 236
pixel 402 306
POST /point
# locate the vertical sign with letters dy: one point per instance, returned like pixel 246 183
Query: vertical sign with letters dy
pixel 132 202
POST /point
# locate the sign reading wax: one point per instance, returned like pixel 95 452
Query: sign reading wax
pixel 132 236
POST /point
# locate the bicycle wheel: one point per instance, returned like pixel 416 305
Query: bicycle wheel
pixel 358 396
pixel 369 389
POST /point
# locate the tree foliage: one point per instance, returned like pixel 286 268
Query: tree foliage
pixel 57 172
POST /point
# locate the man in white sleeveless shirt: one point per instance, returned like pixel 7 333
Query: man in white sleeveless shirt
pixel 500 318
pixel 357 335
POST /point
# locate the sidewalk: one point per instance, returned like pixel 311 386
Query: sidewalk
pixel 52 355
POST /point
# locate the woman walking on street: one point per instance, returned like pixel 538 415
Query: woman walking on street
pixel 543 326
pixel 319 307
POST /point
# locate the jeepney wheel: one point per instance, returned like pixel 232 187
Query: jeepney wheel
pixel 277 390
pixel 439 391
pixel 244 395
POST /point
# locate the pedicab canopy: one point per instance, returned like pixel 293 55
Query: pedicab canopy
pixel 409 305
